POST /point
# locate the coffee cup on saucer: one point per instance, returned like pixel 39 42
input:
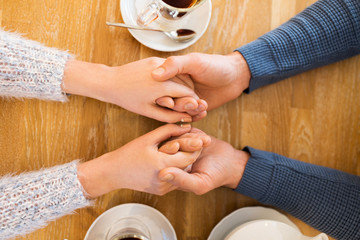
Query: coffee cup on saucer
pixel 128 228
pixel 196 18
pixel 131 221
pixel 269 230
pixel 167 13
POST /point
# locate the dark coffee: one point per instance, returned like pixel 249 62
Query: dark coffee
pixel 181 3
pixel 129 237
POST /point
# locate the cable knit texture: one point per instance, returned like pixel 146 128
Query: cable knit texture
pixel 30 200
pixel 30 70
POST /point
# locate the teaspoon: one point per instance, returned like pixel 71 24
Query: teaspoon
pixel 179 35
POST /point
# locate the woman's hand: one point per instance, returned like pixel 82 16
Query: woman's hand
pixel 137 164
pixel 132 87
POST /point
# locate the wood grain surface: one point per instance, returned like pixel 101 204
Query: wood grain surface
pixel 313 117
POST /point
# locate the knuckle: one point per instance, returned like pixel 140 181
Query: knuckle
pixel 195 56
pixel 171 60
pixel 154 60
pixel 161 193
pixel 200 191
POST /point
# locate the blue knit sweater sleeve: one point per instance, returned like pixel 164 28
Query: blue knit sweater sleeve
pixel 325 32
pixel 326 199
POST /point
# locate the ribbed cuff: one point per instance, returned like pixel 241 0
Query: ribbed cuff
pixel 261 62
pixel 257 175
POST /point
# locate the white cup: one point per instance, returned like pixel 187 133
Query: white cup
pixel 128 228
pixel 167 16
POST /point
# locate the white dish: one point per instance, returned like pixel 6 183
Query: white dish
pixel 198 20
pixel 244 215
pixel 269 230
pixel 158 224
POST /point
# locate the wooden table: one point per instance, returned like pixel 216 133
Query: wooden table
pixel 313 117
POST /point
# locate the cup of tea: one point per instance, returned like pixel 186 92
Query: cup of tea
pixel 167 12
pixel 128 228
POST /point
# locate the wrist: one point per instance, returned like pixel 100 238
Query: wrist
pixel 240 160
pixel 85 79
pixel 242 69
pixel 93 176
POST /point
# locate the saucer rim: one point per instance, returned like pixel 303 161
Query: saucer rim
pixel 257 221
pixel 164 47
pixel 241 216
pixel 125 205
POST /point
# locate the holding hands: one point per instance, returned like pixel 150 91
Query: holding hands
pixel 131 86
pixel 169 93
pixel 136 165
pixel 216 78
pixel 219 164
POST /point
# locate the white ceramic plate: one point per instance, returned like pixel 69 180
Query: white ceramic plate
pixel 198 20
pixel 243 215
pixel 158 224
pixel 269 230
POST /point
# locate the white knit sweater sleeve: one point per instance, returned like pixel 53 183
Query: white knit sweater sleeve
pixel 29 69
pixel 30 200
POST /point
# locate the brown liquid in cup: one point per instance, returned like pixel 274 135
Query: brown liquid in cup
pixel 181 3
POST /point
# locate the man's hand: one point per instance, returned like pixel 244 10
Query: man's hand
pixel 216 78
pixel 218 165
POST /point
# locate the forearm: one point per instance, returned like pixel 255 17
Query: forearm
pixel 326 32
pixel 326 199
pixel 29 201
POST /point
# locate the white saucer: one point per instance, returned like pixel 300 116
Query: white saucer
pixel 243 215
pixel 158 224
pixel 198 20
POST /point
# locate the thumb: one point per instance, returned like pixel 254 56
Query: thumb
pixel 167 131
pixel 192 182
pixel 173 66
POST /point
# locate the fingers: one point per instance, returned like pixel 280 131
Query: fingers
pixel 195 108
pixel 192 182
pixel 182 159
pixel 197 133
pixel 168 115
pixel 167 131
pixel 182 144
pixel 170 147
pixel 199 116
pixel 200 112
pixel 188 142
pixel 167 102
pixel 201 107
pixel 183 104
pixel 173 66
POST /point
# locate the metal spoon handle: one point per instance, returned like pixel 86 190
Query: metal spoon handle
pixel 132 26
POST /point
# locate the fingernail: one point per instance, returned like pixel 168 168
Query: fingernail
pixel 159 71
pixel 186 119
pixel 189 106
pixel 185 125
pixel 201 108
pixel 167 178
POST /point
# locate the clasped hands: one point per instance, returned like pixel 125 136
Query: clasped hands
pixel 178 89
